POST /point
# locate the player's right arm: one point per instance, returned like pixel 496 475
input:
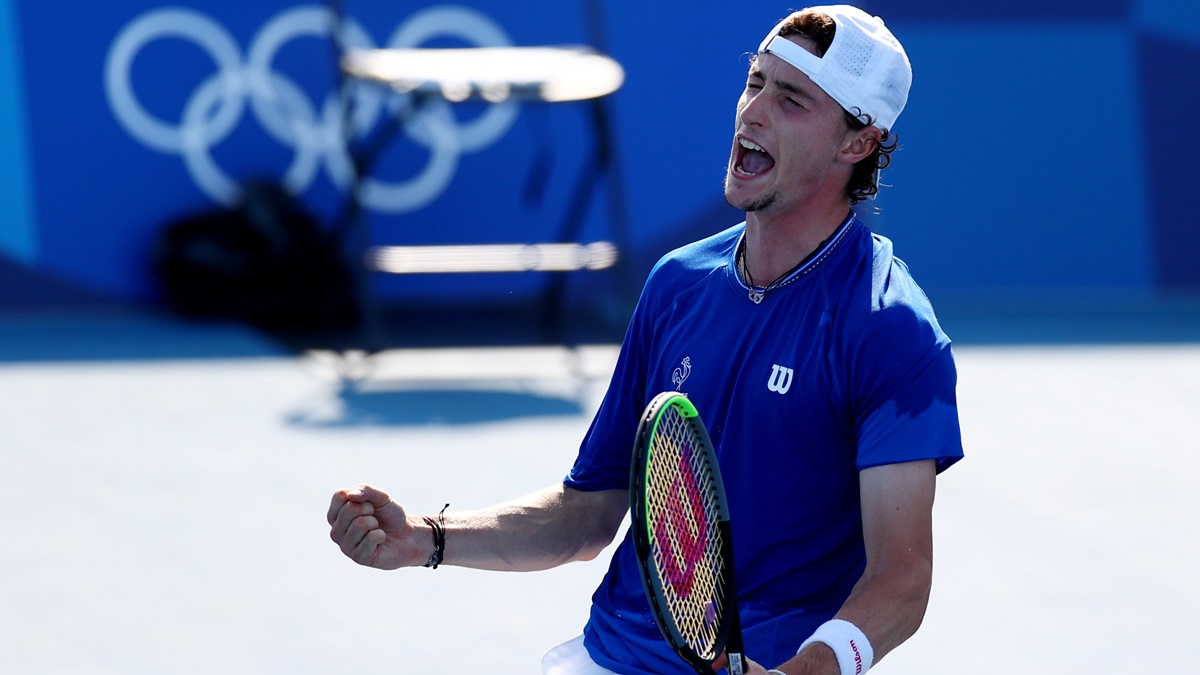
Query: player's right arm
pixel 538 531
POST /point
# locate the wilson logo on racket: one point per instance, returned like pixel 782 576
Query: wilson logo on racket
pixel 781 379
pixel 682 535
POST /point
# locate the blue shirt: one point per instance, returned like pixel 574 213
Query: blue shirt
pixel 841 367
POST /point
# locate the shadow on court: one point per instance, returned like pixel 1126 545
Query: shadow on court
pixel 459 406
pixel 124 333
pixel 1035 320
pixel 100 332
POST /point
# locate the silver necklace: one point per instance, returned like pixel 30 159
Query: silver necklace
pixel 757 293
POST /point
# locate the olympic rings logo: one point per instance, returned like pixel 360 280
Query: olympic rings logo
pixel 285 112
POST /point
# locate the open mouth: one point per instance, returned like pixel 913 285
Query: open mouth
pixel 752 159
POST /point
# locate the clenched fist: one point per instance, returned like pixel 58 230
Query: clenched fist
pixel 373 530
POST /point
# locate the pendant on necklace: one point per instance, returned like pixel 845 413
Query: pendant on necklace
pixel 756 296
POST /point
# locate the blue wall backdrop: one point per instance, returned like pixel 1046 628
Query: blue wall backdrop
pixel 1047 147
pixel 17 236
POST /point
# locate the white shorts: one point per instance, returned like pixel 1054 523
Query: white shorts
pixel 571 658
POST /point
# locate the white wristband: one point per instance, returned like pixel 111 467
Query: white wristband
pixel 849 645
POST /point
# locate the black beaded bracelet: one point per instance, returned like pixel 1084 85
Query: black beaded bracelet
pixel 439 538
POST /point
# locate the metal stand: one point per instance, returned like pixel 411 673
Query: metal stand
pixel 480 76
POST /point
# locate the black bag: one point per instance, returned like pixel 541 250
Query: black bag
pixel 266 261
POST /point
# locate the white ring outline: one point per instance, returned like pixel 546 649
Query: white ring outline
pixel 206 33
pixel 311 133
pixel 481 31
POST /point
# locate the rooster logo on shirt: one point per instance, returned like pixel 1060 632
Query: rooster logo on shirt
pixel 681 373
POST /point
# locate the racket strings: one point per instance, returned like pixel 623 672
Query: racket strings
pixel 686 541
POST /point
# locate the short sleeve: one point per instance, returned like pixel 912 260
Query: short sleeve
pixel 917 419
pixel 606 451
pixel 904 378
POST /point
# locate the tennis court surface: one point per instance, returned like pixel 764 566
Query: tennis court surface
pixel 163 489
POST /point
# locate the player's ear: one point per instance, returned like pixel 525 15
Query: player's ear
pixel 858 144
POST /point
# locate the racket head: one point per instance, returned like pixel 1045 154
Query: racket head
pixel 680 524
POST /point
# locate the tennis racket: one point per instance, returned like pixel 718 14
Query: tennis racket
pixel 680 524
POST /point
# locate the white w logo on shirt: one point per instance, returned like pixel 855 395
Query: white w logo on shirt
pixel 781 379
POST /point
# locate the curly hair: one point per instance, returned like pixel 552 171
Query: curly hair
pixel 820 28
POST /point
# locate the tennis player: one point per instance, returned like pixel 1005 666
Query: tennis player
pixel 813 357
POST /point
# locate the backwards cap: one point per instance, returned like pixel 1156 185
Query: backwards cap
pixel 865 69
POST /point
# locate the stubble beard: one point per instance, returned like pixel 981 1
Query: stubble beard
pixel 760 204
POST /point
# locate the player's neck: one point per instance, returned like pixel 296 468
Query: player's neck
pixel 776 243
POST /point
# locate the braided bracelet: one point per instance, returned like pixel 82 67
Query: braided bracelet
pixel 439 538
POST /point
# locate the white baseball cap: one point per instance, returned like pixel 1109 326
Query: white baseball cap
pixel 865 69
